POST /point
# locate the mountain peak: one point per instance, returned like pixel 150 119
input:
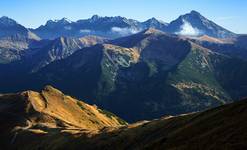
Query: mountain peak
pixel 95 17
pixel 194 15
pixel 11 29
pixel 152 31
pixel 194 24
pixel 193 12
pixel 62 21
pixel 65 20
pixel 7 21
pixel 154 23
pixel 153 20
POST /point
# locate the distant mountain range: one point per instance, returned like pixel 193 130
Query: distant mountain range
pixel 151 69
pixel 150 73
pixel 9 27
pixel 181 72
pixel 191 24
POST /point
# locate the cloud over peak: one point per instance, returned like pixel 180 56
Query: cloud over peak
pixel 187 29
pixel 124 31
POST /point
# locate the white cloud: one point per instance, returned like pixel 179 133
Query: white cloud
pixel 85 31
pixel 67 27
pixel 187 29
pixel 124 31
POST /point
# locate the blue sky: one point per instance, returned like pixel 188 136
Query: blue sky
pixel 231 14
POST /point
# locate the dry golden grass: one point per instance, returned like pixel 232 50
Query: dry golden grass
pixel 51 102
pixel 52 120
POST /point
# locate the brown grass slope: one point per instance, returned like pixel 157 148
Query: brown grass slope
pixel 220 128
pixel 38 113
pixel 41 125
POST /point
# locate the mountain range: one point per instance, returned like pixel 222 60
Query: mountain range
pixel 133 85
pixel 188 65
pixel 150 73
pixel 15 38
pixel 193 24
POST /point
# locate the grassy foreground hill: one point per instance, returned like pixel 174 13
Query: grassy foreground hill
pixel 48 112
pixel 52 120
